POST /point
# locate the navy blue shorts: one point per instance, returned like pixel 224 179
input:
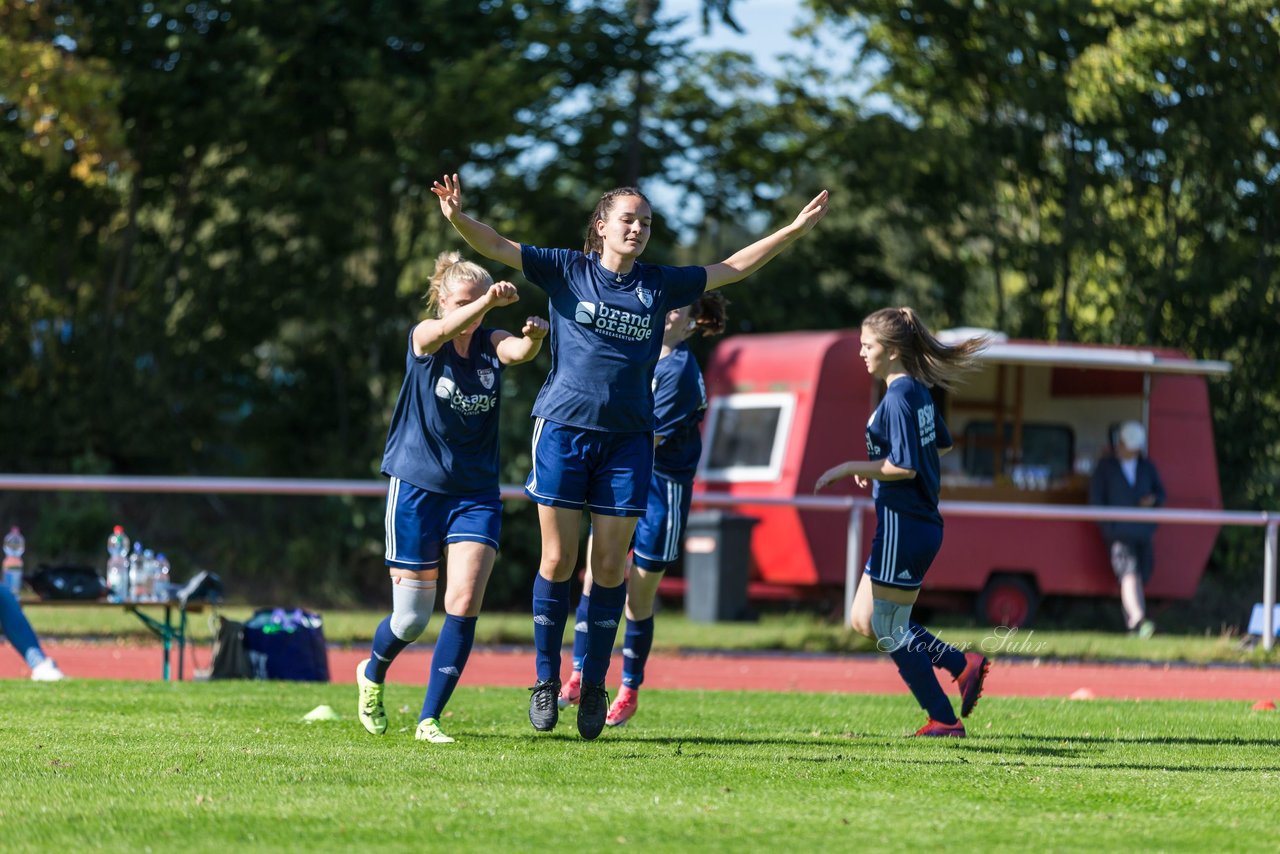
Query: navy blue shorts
pixel 608 473
pixel 420 524
pixel 1132 556
pixel 659 534
pixel 902 550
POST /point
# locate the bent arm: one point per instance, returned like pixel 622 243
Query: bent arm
pixel 430 335
pixel 864 469
pixel 518 349
pixel 747 260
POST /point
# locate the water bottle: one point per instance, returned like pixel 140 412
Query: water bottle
pixel 146 583
pixel 135 572
pixel 14 547
pixel 118 565
pixel 163 587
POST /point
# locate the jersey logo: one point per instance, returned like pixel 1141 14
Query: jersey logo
pixel 614 323
pixel 485 375
pixel 465 404
pixel 925 424
pixel 645 296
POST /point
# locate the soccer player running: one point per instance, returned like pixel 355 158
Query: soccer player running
pixel 905 437
pixel 593 427
pixel 442 459
pixel 679 401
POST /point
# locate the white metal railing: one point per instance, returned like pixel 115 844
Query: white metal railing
pixel 853 507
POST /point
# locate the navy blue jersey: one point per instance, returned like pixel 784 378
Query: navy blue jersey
pixel 907 430
pixel 444 432
pixel 679 402
pixel 606 336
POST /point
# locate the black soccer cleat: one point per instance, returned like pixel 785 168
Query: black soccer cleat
pixel 593 706
pixel 544 713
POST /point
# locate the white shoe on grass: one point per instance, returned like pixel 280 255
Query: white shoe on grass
pixel 47 671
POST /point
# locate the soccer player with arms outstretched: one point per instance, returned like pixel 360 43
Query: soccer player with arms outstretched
pixel 679 402
pixel 593 429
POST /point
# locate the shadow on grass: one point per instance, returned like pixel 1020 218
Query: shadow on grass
pixel 1197 741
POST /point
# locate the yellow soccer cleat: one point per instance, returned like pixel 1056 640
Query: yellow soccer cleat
pixel 429 730
pixel 369 709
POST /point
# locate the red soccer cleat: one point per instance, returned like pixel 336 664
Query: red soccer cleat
pixel 970 681
pixel 571 692
pixel 623 707
pixel 937 729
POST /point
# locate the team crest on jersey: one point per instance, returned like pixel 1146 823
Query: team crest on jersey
pixel 485 375
pixel 645 296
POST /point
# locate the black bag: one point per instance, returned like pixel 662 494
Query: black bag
pixel 229 658
pixel 67 582
pixel 286 644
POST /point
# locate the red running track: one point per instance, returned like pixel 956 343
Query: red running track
pixel 728 672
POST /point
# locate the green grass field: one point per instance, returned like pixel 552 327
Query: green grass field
pixel 230 766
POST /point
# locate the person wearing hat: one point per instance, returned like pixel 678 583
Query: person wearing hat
pixel 1128 479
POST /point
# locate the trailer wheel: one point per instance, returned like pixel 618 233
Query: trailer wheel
pixel 1008 600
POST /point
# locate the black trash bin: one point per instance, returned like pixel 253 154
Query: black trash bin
pixel 717 559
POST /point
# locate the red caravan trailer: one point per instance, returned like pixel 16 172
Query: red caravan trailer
pixel 1028 427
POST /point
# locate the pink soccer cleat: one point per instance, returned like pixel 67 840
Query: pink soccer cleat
pixel 937 729
pixel 970 681
pixel 571 692
pixel 623 707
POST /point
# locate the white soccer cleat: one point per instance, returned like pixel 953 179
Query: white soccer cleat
pixel 47 671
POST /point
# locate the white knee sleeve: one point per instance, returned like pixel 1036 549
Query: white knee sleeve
pixel 412 602
pixel 890 622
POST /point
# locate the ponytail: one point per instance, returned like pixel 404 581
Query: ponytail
pixel 710 313
pixel 923 356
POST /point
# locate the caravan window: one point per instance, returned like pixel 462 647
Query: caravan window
pixel 746 437
pixel 1051 445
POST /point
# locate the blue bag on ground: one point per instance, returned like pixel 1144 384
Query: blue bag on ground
pixel 284 643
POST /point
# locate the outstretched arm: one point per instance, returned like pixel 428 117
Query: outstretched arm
pixel 746 261
pixel 862 472
pixel 513 350
pixel 430 335
pixel 479 236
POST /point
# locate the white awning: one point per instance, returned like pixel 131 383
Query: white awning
pixel 1001 351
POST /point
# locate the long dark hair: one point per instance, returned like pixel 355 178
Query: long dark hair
pixel 592 241
pixel 710 312
pixel 923 356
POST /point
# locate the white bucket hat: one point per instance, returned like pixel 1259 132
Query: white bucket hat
pixel 1133 435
